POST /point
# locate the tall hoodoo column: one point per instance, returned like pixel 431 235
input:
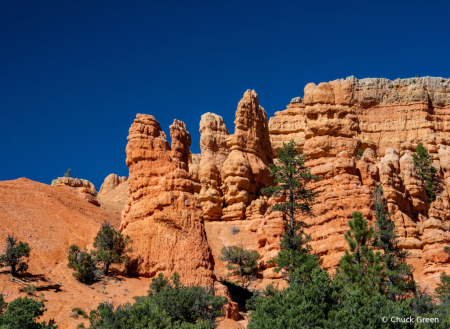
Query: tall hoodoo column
pixel 162 216
pixel 246 170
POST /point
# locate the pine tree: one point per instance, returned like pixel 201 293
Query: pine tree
pixel 241 262
pixel 423 162
pixel 291 174
pixel 111 247
pixel 14 255
pixel 399 279
pixel 361 269
pixel 84 264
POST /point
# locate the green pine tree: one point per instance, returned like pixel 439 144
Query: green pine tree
pixel 305 303
pixel 291 174
pixel 16 255
pixel 84 264
pixel 241 262
pixel 399 280
pixel 361 269
pixel 111 247
pixel 423 162
pixel 22 313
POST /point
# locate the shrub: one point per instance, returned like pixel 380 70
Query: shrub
pixel 15 255
pixel 84 265
pixel 168 305
pixel 29 289
pixel 78 311
pixel 67 174
pixel 241 262
pixel 111 247
pixel 359 154
pixel 22 314
pixel 235 230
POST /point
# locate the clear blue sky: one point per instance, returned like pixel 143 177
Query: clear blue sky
pixel 73 74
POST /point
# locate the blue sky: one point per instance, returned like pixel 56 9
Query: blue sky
pixel 73 74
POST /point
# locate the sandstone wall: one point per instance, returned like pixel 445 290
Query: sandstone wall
pixel 385 119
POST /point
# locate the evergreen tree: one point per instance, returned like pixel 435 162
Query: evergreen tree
pixel 361 269
pixel 291 174
pixel 356 310
pixel 67 174
pixel 306 303
pixel 423 162
pixel 169 305
pixel 22 314
pixel 111 247
pixel 14 255
pixel 84 264
pixel 241 262
pixel 399 279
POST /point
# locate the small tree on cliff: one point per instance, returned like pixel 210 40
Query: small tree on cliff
pixel 291 174
pixel 15 255
pixel 67 174
pixel 241 262
pixel 399 280
pixel 423 162
pixel 361 269
pixel 111 247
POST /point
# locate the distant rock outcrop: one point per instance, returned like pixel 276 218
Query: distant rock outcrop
pixel 110 183
pixel 84 188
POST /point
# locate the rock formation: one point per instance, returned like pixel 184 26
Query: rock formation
pixel 162 216
pixel 110 183
pixel 386 119
pixel 84 188
pixel 214 153
pixel 246 170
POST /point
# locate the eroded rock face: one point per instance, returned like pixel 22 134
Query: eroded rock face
pixel 386 119
pixel 162 216
pixel 246 170
pixel 110 183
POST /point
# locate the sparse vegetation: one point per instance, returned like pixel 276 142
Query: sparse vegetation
pixel 359 154
pixel 241 262
pixel 67 174
pixel 77 312
pixel 235 230
pixel 29 289
pixel 15 255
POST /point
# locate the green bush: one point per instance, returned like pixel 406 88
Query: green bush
pixel 29 289
pixel 241 262
pixel 15 255
pixel 359 154
pixel 168 305
pixel 84 265
pixel 111 247
pixel 67 174
pixel 78 311
pixel 22 314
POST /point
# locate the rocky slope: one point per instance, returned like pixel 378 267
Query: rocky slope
pixel 50 219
